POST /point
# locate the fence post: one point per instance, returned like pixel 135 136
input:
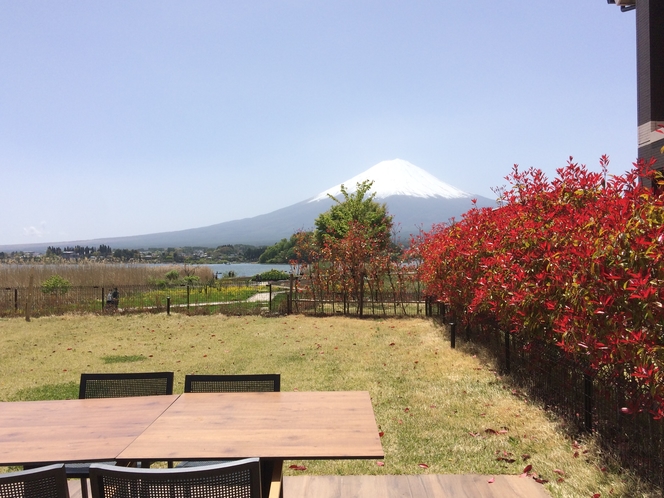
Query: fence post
pixel 588 402
pixel 168 305
pixel 269 286
pixel 188 297
pixel 289 303
pixel 453 334
pixel 507 351
pixel 28 302
pixel 361 296
pixel 103 299
pixel 16 300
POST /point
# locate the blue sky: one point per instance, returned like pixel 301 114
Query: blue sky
pixel 133 117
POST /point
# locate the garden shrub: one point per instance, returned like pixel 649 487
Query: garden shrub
pixel 577 262
pixel 55 284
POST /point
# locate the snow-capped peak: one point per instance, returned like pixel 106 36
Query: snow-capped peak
pixel 397 177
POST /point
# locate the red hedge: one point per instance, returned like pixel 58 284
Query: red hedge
pixel 577 261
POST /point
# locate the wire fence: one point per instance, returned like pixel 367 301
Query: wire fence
pixel 236 296
pixel 228 296
pixel 404 299
pixel 590 401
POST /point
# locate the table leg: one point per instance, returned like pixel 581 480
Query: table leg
pixel 272 477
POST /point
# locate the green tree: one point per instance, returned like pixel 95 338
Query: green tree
pixel 357 208
pixel 281 252
pixel 55 284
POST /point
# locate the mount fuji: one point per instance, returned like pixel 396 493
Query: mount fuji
pixel 416 200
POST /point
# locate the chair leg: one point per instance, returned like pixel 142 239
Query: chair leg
pixel 84 487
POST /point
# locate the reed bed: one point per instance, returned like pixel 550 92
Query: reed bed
pixel 96 273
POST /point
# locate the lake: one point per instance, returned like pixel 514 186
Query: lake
pixel 247 269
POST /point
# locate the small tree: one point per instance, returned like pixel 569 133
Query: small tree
pixel 55 284
pixel 356 209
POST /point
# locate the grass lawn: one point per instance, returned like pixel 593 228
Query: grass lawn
pixel 442 411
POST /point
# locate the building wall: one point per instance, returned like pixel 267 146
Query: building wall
pixel 650 78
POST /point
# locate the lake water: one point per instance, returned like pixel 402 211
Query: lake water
pixel 247 269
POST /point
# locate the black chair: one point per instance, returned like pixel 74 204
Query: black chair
pixel 40 482
pixel 117 385
pixel 238 479
pixel 250 383
pixel 122 385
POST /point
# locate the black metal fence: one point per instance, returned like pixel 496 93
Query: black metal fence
pixel 236 296
pixel 590 401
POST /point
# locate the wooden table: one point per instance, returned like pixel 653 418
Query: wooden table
pixel 85 430
pixel 272 426
pixel 282 425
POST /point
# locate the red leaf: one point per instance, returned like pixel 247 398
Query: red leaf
pixel 297 467
pixel 559 472
pixel 540 480
pixel 381 434
pixel 491 481
pixel 380 464
pixel 423 465
pixel 525 456
pixel 597 495
pixel 527 469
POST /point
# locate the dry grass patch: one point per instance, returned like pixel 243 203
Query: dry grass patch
pixel 443 408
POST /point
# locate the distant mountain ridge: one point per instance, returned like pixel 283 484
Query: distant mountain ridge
pixel 415 199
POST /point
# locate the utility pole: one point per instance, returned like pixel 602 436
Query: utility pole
pixel 649 76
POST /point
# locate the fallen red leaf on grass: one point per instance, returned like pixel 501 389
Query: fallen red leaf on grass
pixel 423 465
pixel 297 467
pixel 527 469
pixel 380 464
pixel 559 472
pixel 381 434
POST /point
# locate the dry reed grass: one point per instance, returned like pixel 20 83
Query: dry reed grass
pixel 436 406
pixel 95 273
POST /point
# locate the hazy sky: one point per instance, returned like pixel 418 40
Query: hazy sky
pixel 133 117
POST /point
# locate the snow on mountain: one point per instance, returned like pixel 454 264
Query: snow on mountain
pixel 397 177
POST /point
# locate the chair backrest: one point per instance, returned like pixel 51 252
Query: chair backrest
pixel 238 479
pixel 249 383
pixel 41 482
pixel 119 385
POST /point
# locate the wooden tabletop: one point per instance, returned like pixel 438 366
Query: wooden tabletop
pixel 279 426
pixel 33 432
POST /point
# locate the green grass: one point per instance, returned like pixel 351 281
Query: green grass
pixel 125 358
pixel 445 408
